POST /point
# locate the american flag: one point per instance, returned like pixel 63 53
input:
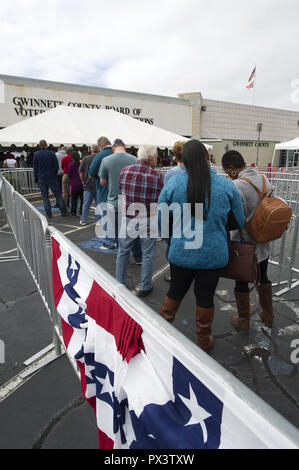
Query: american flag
pixel 251 85
pixel 146 391
pixel 252 75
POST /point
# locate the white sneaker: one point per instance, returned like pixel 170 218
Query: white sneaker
pixel 82 223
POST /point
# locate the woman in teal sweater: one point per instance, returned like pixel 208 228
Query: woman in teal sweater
pixel 200 203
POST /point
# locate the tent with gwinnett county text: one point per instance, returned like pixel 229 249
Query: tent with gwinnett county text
pixel 66 125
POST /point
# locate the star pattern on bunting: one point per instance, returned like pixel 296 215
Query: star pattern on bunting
pixel 197 412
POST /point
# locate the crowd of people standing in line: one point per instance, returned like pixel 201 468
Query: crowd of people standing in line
pixel 15 160
pixel 109 172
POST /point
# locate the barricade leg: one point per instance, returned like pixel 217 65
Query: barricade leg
pixel 291 283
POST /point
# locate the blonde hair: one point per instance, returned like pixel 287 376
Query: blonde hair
pixel 178 150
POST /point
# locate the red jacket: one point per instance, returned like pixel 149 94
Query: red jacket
pixel 65 163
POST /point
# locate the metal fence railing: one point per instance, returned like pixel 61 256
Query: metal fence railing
pixel 30 229
pixel 284 255
pixel 285 184
pixel 33 238
pixel 22 179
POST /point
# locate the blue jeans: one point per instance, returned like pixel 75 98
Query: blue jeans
pixel 44 185
pixel 107 219
pixel 136 247
pixel 114 239
pixel 136 250
pixel 148 247
pixel 88 197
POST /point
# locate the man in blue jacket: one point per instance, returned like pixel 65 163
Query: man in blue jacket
pixel 45 165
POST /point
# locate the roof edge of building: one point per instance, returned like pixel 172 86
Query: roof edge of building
pixel 17 80
pixel 251 106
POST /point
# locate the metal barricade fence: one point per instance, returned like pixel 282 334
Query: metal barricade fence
pixel 143 315
pixel 22 179
pixel 33 237
pixel 30 229
pixel 7 193
pixel 284 256
pixel 287 189
pixel 283 251
pixel 285 184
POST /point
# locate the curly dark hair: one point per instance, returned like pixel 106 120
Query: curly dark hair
pixel 232 158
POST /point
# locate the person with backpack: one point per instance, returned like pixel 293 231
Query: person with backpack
pixel 252 186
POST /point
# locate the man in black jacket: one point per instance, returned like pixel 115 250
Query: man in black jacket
pixel 46 166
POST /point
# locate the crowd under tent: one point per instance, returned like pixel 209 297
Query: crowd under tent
pixel 79 126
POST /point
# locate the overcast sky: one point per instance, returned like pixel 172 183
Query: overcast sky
pixel 162 47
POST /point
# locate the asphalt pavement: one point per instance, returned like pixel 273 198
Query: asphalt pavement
pixel 44 409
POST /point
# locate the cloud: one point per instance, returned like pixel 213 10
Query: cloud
pixel 161 47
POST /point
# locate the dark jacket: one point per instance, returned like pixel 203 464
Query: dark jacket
pixel 45 165
pixel 89 182
pixel 94 169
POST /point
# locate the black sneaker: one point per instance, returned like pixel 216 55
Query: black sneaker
pixel 108 246
pixel 144 293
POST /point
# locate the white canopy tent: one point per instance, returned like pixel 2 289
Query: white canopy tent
pixel 81 126
pixel 289 145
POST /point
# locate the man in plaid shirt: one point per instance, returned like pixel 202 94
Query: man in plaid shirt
pixel 141 185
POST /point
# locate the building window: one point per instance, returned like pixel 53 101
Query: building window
pixel 288 158
pixel 282 158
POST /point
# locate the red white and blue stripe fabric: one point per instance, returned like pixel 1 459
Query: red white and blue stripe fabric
pixel 252 75
pixel 146 390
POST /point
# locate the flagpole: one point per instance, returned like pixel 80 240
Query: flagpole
pixel 254 85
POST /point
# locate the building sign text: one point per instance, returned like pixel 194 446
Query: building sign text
pixel 28 107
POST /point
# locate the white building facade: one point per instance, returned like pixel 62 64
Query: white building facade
pixel 223 125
